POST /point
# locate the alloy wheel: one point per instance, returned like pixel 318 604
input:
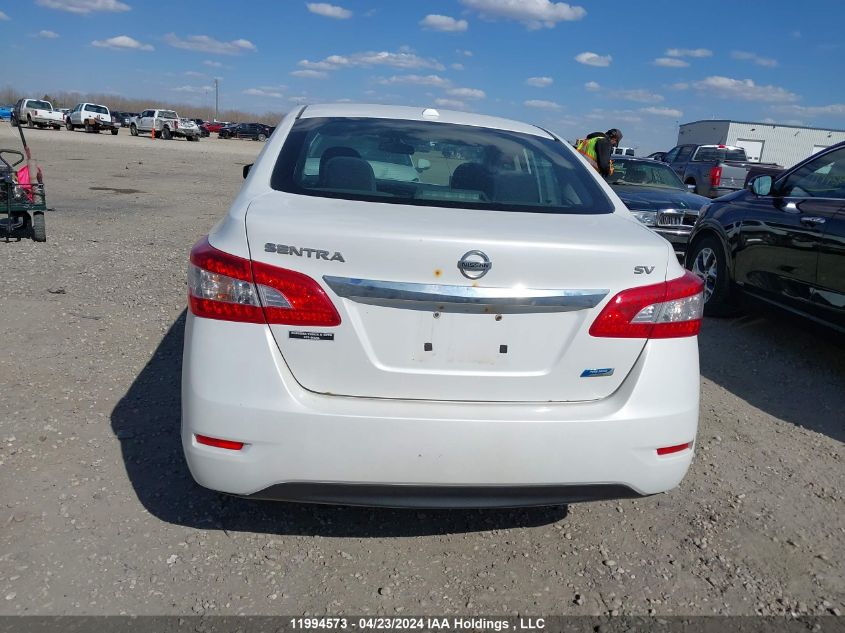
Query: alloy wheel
pixel 706 267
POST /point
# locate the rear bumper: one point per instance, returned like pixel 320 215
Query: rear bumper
pixel 332 449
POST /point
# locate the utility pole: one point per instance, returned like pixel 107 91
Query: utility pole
pixel 216 98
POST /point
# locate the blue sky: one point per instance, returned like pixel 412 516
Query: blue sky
pixel 640 65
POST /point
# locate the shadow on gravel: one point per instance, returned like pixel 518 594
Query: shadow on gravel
pixel 146 421
pixel 784 366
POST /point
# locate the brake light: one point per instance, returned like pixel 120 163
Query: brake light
pixel 671 309
pixel 716 176
pixel 230 288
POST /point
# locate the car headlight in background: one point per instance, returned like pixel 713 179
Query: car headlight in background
pixel 649 218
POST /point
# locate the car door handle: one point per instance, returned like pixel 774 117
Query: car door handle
pixel 812 220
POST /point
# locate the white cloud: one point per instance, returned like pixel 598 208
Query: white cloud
pixel 4 17
pixel 534 14
pixel 465 53
pixel 417 80
pixel 670 62
pixel 593 59
pixel 639 95
pixel 329 10
pixel 539 82
pixel 592 86
pixel 122 43
pixel 206 44
pixel 451 103
pixel 193 73
pixel 192 89
pixel 85 6
pixel 681 85
pixel 403 59
pixel 263 92
pixel 213 64
pixel 435 22
pixel 659 111
pixel 542 104
pixel 613 116
pixel 310 74
pixel 689 52
pixel 48 35
pixel 456 66
pixel 744 90
pixel 834 109
pixel 466 93
pixel 766 62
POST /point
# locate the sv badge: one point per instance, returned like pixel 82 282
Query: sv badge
pixel 639 270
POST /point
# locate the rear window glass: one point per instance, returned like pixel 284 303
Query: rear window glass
pixel 715 154
pixel 434 164
pixel 39 105
pixel 167 114
pixel 96 108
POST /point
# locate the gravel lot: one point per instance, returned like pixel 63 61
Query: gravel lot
pixel 99 515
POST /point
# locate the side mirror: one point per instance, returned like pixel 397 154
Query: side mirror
pixel 423 164
pixel 246 169
pixel 761 185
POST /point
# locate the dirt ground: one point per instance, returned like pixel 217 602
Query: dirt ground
pixel 99 515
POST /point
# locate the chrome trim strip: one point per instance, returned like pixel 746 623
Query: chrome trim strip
pixel 465 299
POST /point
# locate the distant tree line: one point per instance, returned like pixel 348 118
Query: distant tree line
pixel 9 95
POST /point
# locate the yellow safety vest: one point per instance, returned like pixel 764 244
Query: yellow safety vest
pixel 587 147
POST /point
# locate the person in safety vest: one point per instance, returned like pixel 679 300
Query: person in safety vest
pixel 597 148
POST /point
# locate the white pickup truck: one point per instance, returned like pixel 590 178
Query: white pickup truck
pixel 36 113
pixel 166 124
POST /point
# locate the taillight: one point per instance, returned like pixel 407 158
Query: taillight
pixel 716 176
pixel 230 288
pixel 666 310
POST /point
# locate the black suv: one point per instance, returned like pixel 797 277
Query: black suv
pixel 781 240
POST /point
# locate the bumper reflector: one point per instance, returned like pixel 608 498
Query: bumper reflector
pixel 668 450
pixel 218 443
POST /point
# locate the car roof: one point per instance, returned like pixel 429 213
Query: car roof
pixel 410 113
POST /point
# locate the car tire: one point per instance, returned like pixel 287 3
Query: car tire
pixel 69 125
pixel 262 137
pixel 39 227
pixel 709 262
pixel 166 134
pixel 114 132
pixel 133 130
pixel 13 121
pixel 29 122
pixel 88 127
pixel 57 127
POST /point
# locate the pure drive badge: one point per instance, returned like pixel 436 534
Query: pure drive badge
pixel 301 251
pixel 597 373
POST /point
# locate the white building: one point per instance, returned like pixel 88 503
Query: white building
pixel 763 142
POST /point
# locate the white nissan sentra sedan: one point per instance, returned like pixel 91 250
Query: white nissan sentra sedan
pixel 413 307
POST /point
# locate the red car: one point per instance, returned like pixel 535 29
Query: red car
pixel 215 126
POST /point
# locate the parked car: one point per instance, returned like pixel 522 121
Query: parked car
pixel 507 336
pixel 253 131
pixel 92 117
pixel 714 170
pixel 623 151
pixel 124 118
pixel 781 241
pixel 204 133
pixel 215 126
pixel 657 198
pixel 6 113
pixel 36 113
pixel 658 156
pixel 166 123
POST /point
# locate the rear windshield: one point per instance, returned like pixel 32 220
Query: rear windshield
pixel 646 173
pixel 167 114
pixel 716 154
pixel 96 108
pixel 434 164
pixel 39 105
